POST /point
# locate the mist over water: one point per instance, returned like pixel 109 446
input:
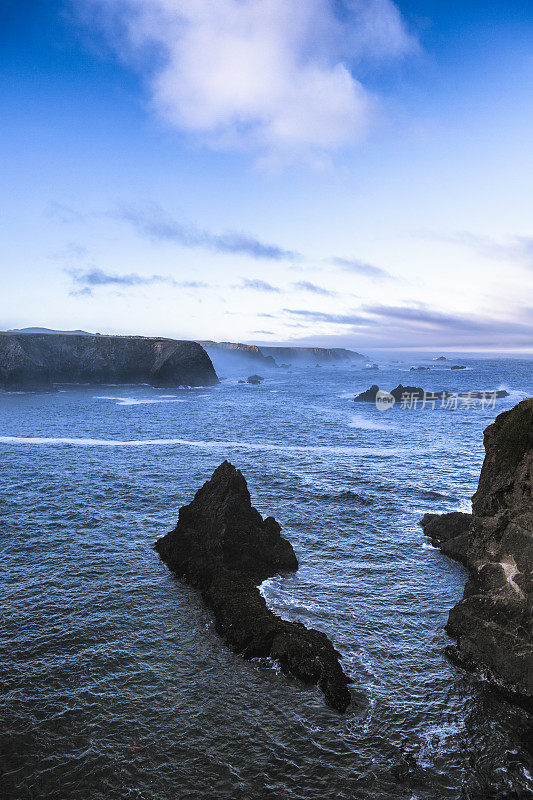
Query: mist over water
pixel 116 684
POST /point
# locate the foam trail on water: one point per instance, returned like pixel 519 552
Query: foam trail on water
pixel 264 446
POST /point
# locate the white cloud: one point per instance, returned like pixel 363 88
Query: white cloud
pixel 272 76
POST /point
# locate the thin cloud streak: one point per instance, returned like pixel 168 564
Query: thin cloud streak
pixel 89 279
pixel 360 268
pixel 307 286
pixel 153 222
pixel 259 285
pixel 322 316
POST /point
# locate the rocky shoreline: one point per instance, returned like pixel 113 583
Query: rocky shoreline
pixel 223 547
pixel 493 623
pixel 39 361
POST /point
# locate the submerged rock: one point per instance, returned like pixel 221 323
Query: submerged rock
pixel 223 547
pixel 493 623
pixel 457 366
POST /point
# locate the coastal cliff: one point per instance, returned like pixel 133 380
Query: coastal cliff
pixel 238 353
pixel 493 623
pixel 36 362
pixel 224 548
pixel 312 355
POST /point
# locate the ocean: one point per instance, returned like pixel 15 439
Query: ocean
pixel 115 682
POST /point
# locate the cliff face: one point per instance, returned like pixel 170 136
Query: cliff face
pixel 239 352
pixel 224 548
pixel 493 623
pixel 38 361
pixel 312 355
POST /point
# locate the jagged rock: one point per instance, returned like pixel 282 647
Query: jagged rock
pixel 368 396
pixel 493 623
pixel 419 369
pixel 223 547
pixel 32 361
pixel 255 379
pixel 449 532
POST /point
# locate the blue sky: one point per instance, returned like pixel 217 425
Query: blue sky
pixel 349 173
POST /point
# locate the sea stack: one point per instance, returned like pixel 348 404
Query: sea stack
pixel 223 547
pixel 493 623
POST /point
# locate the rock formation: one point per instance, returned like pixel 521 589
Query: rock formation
pixel 369 395
pixel 223 547
pixel 36 362
pixel 255 380
pixel 493 623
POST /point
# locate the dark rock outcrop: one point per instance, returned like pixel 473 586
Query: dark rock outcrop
pixel 36 362
pixel 493 623
pixel 457 366
pixel 255 380
pixel 224 548
pixel 369 396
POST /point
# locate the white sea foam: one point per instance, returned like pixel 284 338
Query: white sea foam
pixel 134 401
pixel 368 424
pixel 213 445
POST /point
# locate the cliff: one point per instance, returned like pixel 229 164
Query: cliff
pixel 238 352
pixel 35 362
pixel 493 623
pixel 312 355
pixel 224 548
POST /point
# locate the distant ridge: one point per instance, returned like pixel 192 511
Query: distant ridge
pixel 276 356
pixel 328 355
pixel 50 330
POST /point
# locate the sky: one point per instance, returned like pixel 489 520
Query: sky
pixel 353 173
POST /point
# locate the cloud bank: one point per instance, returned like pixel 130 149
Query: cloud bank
pixel 271 76
pixel 418 326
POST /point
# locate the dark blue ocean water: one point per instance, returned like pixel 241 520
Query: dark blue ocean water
pixel 117 686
